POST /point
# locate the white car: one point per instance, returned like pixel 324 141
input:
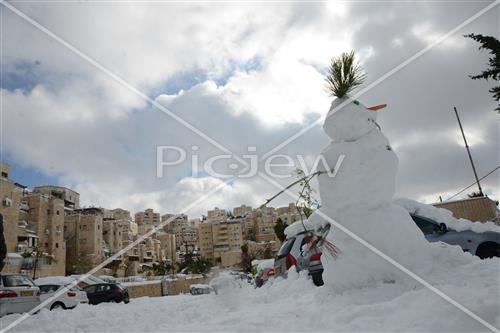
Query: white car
pixel 67 300
pixel 18 294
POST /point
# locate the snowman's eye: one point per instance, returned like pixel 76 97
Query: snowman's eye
pixel 356 102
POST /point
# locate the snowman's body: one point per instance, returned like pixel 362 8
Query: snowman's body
pixel 359 198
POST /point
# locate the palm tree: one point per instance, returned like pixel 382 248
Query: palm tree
pixel 344 74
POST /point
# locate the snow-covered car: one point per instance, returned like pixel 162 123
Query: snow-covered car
pixel 293 252
pixel 200 289
pixel 264 269
pixel 67 300
pixel 484 245
pixel 18 294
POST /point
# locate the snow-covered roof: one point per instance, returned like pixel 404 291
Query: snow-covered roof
pixel 442 215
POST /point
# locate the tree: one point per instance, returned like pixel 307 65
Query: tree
pixel 344 74
pixel 475 195
pixel 493 71
pixel 268 252
pixel 78 265
pixel 279 229
pixel 159 268
pixel 246 258
pixel 195 265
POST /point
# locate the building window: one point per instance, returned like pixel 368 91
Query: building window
pixel 57 245
pixel 57 212
pixel 48 211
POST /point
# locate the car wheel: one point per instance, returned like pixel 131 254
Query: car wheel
pixel 488 250
pixel 57 306
pixel 317 279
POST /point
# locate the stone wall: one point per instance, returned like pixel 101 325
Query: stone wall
pixel 154 288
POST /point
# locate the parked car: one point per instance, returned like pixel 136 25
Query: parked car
pixel 106 292
pixel 67 300
pixel 293 252
pixel 484 244
pixel 201 289
pixel 264 270
pixel 18 294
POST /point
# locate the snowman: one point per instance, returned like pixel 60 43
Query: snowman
pixel 359 197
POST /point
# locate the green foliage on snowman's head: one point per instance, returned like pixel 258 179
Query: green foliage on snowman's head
pixel 344 74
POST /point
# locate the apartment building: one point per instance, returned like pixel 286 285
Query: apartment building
pixel 168 246
pixel 11 195
pixel 245 215
pixel 45 217
pixel 205 240
pixel 146 220
pixel 83 235
pixel 265 220
pixel 185 231
pixel 288 214
pixel 71 198
pixel 216 215
pixel 220 241
pixel 33 228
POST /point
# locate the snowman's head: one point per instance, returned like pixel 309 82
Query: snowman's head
pixel 349 120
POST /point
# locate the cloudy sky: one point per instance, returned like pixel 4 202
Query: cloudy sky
pixel 228 76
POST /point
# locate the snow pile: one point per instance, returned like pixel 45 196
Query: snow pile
pixel 296 304
pixel 442 215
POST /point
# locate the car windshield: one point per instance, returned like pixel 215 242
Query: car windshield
pixel 17 281
pixel 425 225
pixel 285 248
pixel 45 289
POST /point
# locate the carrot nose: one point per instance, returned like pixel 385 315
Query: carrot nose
pixel 377 107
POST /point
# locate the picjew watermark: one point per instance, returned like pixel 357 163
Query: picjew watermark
pixel 245 166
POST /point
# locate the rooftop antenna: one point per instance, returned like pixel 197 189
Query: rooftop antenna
pixel 468 152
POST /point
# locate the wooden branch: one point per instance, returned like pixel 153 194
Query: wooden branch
pixel 308 178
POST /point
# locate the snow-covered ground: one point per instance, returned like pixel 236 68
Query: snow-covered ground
pixel 296 305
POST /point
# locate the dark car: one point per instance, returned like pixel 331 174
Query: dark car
pixel 483 244
pixel 106 292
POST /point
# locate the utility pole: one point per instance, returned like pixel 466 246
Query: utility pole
pixel 468 152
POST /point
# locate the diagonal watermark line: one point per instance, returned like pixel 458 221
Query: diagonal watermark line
pixel 382 78
pixel 388 259
pixel 115 256
pixel 121 81
pixel 250 1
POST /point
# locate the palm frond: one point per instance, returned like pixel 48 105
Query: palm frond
pixel 344 74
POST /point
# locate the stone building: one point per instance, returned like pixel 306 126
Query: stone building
pixel 33 227
pixel 83 235
pixel 185 231
pixel 265 220
pixel 205 240
pixel 221 242
pixel 146 220
pixel 168 247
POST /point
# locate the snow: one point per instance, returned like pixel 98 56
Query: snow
pixel 296 305
pixel 265 264
pixel 442 215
